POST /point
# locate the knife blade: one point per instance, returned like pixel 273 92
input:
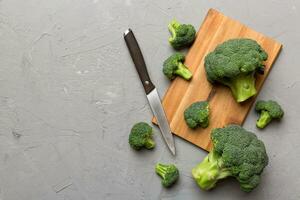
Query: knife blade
pixel 150 90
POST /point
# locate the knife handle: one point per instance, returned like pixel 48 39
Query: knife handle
pixel 138 60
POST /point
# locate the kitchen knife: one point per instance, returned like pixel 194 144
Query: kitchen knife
pixel 151 92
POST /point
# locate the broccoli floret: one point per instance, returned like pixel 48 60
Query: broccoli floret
pixel 168 173
pixel 268 110
pixel 234 63
pixel 236 152
pixel 183 35
pixel 197 114
pixel 174 66
pixel 141 136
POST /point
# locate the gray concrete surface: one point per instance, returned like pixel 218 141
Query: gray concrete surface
pixel 69 95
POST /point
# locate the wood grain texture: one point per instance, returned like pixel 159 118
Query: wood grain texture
pixel 215 29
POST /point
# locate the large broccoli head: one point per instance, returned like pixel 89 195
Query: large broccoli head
pixel 236 152
pixel 268 110
pixel 183 35
pixel 234 63
pixel 197 114
pixel 168 173
pixel 141 136
pixel 173 66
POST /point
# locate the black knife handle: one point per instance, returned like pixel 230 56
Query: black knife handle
pixel 138 60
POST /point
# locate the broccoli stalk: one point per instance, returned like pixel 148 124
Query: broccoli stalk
pixel 149 143
pixel 209 171
pixel 172 26
pixel 168 173
pixel 242 87
pixel 263 119
pixel 183 71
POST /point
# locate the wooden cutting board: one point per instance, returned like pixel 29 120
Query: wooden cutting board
pixel 215 29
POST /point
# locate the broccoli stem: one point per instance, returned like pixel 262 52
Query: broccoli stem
pixel 150 144
pixel 264 119
pixel 160 169
pixel 209 171
pixel 172 26
pixel 243 87
pixel 183 71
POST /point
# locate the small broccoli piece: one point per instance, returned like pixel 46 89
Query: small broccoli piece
pixel 268 110
pixel 234 63
pixel 141 136
pixel 183 35
pixel 197 114
pixel 168 173
pixel 174 66
pixel 237 153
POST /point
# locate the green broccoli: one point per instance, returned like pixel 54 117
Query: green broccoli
pixel 168 173
pixel 234 63
pixel 174 66
pixel 236 152
pixel 141 136
pixel 197 114
pixel 183 35
pixel 268 110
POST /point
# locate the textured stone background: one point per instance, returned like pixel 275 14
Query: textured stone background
pixel 69 94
